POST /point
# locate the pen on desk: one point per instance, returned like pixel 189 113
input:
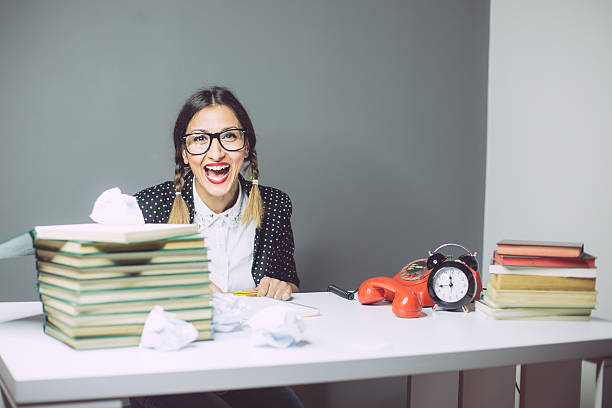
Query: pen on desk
pixel 347 294
pixel 245 293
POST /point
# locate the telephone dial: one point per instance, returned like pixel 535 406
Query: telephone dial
pixel 439 280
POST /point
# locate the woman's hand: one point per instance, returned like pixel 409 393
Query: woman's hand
pixel 275 288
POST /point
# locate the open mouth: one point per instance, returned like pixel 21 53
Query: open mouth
pixel 217 173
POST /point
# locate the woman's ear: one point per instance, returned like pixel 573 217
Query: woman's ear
pixel 185 158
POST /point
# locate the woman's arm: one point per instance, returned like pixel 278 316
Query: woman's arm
pixel 281 278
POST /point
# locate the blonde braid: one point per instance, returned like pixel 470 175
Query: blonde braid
pixel 254 209
pixel 179 213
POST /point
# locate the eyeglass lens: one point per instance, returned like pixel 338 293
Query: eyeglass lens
pixel 198 143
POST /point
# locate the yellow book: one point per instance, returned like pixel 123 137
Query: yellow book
pixel 539 282
pixel 541 298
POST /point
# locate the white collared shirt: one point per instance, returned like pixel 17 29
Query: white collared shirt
pixel 229 243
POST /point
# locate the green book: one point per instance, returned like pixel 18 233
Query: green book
pixel 112 319
pixel 122 258
pixel 86 343
pixel 118 295
pixel 81 285
pixel 77 331
pixel 193 241
pixel 113 233
pixel 127 306
pixel 115 271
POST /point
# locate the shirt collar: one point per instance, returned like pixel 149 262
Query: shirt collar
pixel 205 217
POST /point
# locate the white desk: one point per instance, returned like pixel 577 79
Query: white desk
pixel 347 342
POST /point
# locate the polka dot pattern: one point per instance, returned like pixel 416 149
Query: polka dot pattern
pixel 273 247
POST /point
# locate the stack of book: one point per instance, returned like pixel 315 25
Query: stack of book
pixel 540 280
pixel 98 283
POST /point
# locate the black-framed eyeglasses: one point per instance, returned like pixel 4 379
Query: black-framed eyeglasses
pixel 199 142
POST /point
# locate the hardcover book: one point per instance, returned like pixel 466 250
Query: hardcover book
pixel 118 295
pixel 583 261
pixel 122 270
pixel 106 319
pixel 86 247
pixel 540 248
pixel 86 343
pixel 124 282
pixel 111 330
pixel 543 271
pixel 113 233
pixel 531 313
pixel 541 298
pixel 129 306
pixel 122 258
pixel 538 282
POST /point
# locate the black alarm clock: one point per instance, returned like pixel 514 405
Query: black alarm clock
pixel 453 283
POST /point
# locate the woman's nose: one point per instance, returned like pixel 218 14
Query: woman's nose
pixel 215 151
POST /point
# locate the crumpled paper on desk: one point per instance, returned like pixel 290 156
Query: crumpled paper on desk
pixel 229 312
pixel 163 331
pixel 113 207
pixel 276 326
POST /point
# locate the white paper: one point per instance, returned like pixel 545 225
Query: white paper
pixel 163 331
pixel 229 312
pixel 276 326
pixel 113 207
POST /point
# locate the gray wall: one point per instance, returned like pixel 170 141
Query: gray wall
pixel 370 115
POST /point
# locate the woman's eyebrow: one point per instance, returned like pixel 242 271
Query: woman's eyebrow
pixel 221 131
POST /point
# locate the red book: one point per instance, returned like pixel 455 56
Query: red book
pixel 540 248
pixel 583 261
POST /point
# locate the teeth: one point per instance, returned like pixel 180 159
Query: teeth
pixel 218 168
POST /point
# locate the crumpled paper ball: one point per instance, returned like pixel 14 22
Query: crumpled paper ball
pixel 113 207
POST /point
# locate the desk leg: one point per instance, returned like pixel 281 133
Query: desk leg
pixel 603 387
pixel 463 389
pixel 433 390
pixel 477 388
pixel 3 400
pixel 555 384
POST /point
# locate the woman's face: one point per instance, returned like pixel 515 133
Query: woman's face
pixel 216 171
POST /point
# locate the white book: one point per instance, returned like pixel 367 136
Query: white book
pixel 543 271
pixel 114 233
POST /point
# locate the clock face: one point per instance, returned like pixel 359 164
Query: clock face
pixel 450 284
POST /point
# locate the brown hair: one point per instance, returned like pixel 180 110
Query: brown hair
pixel 201 99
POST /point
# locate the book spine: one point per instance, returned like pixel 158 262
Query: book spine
pixel 532 250
pixel 544 261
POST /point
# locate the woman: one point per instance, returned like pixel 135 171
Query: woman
pixel 247 226
pixel 248 229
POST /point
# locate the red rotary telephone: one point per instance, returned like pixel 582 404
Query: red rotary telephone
pixel 409 290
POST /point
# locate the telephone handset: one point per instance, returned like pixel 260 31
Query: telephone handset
pixel 415 275
pixel 405 302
